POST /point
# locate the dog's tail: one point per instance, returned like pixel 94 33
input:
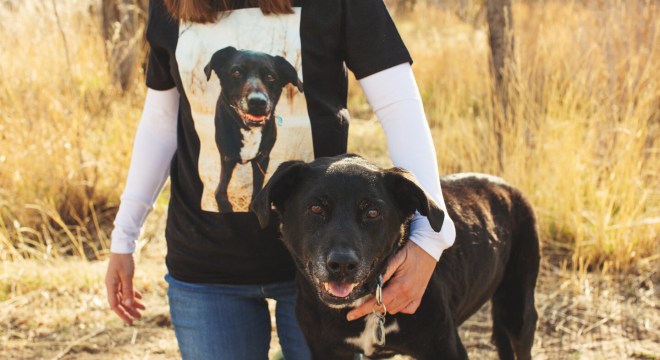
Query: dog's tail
pixel 514 313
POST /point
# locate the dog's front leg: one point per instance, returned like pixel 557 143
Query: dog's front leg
pixel 324 352
pixel 221 195
pixel 259 168
pixel 448 347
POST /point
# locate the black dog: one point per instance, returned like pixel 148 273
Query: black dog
pixel 245 130
pixel 342 218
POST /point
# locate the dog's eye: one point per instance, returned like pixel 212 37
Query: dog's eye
pixel 372 213
pixel 269 78
pixel 316 209
pixel 236 73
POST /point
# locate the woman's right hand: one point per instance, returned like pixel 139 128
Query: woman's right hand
pixel 123 300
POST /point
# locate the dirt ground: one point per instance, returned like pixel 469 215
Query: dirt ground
pixel 57 310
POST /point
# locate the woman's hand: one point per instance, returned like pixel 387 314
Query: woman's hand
pixel 123 300
pixel 408 272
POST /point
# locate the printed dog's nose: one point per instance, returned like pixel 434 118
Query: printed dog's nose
pixel 342 263
pixel 257 102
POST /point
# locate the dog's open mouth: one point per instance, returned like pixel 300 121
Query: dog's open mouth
pixel 339 290
pixel 256 119
pixel 252 119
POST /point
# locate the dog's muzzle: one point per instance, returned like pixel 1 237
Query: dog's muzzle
pixel 254 109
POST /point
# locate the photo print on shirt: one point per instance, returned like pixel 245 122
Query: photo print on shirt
pixel 242 76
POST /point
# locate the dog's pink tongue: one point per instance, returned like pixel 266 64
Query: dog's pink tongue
pixel 340 290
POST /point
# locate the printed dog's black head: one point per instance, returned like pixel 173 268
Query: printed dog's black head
pixel 342 218
pixel 251 82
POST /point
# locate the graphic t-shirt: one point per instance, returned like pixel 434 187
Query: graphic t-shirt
pixel 256 91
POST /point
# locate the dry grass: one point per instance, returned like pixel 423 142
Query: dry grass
pixel 583 144
pixel 584 139
pixel 57 308
pixel 66 133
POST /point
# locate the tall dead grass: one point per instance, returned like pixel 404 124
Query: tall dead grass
pixel 65 133
pixel 584 128
pixel 582 142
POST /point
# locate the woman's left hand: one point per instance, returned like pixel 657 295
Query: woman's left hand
pixel 408 273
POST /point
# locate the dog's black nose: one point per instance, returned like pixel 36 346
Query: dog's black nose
pixel 257 103
pixel 342 263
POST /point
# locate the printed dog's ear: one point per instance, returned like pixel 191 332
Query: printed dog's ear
pixel 288 73
pixel 410 196
pixel 278 188
pixel 218 58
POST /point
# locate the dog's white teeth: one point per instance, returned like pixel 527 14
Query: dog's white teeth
pixel 255 118
pixel 340 290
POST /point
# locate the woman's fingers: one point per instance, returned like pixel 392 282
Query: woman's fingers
pixel 126 288
pixel 114 299
pixel 127 303
pixel 123 300
pixel 132 311
pixel 139 305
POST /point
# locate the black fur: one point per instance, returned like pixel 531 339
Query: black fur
pixel 251 84
pixel 326 207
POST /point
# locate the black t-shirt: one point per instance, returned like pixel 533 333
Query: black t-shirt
pixel 255 91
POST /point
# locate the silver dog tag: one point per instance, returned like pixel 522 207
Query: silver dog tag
pixel 379 332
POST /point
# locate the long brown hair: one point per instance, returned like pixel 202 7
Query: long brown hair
pixel 205 11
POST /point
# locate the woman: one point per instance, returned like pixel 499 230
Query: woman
pixel 234 89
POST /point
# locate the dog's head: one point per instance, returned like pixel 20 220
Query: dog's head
pixel 251 82
pixel 341 219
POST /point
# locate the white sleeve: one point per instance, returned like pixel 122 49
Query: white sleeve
pixel 153 149
pixel 395 98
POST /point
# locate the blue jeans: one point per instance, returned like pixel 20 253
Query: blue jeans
pixel 213 321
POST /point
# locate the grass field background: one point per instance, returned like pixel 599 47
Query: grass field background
pixel 583 144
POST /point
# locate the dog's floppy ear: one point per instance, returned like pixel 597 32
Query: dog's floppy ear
pixel 288 73
pixel 278 188
pixel 410 196
pixel 219 57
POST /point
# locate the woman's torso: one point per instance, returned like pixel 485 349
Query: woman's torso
pixel 279 94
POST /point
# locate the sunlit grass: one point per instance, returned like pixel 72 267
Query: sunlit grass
pixel 585 132
pixel 66 133
pixel 583 144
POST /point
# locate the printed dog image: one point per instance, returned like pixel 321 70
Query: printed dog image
pixel 342 219
pixel 245 129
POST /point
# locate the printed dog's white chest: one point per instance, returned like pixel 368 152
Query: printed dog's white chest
pixel 251 142
pixel 366 340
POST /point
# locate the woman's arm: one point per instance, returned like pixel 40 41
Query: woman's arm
pixel 154 146
pixel 395 98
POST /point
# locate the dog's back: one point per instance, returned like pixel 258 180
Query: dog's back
pixel 497 227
